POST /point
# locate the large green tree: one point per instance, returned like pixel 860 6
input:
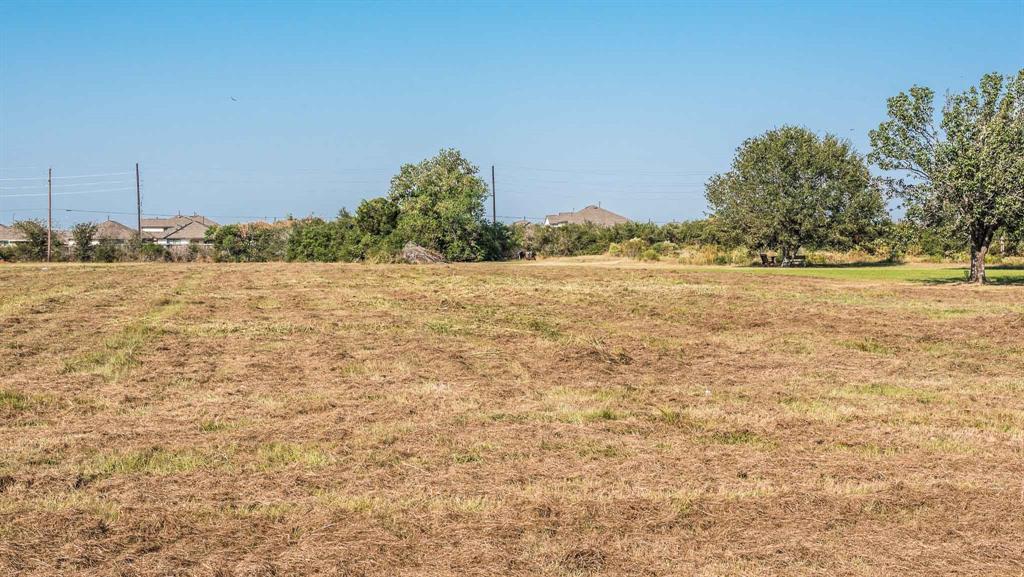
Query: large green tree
pixel 441 206
pixel 789 188
pixel 967 174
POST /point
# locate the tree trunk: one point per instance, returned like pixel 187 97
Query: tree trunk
pixel 978 252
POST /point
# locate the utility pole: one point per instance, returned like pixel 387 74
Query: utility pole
pixel 49 213
pixel 138 199
pixel 494 200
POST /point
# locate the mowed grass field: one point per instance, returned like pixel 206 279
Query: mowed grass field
pixel 580 417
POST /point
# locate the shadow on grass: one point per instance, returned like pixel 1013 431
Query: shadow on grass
pixel 998 275
pixel 992 272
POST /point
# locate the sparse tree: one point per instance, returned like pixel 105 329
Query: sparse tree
pixel 967 175
pixel 83 234
pixel 34 248
pixel 789 189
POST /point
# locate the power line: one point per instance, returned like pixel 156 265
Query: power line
pixel 63 193
pixel 617 172
pixel 64 185
pixel 68 177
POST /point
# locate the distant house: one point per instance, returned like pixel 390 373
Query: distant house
pixel 592 214
pixel 10 235
pixel 113 231
pixel 177 230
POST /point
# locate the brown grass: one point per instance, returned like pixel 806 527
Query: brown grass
pixel 516 419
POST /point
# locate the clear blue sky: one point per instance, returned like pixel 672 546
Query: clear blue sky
pixel 239 110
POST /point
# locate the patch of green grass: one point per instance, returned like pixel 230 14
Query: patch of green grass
pixel 589 415
pixel 466 457
pixel 890 391
pixel 742 437
pixel 120 352
pixel 217 424
pixel 598 450
pixel 152 460
pixel 868 345
pixel 902 273
pixel 677 419
pixel 14 401
pixel 820 409
pixel 276 455
pixel 441 327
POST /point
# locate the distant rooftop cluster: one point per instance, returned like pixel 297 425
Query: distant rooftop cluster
pixel 173 231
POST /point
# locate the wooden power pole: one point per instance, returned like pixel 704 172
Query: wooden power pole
pixel 138 199
pixel 494 201
pixel 49 213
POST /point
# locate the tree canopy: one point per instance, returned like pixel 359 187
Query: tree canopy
pixel 967 175
pixel 441 206
pixel 789 189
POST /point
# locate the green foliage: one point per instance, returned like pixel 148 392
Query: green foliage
pixel 441 206
pixel 108 251
pixel 437 203
pixel 152 252
pixel 634 247
pixel 377 216
pixel 316 239
pixel 247 242
pixel 966 176
pixel 789 189
pixel 584 239
pixel 35 246
pixel 83 234
pixel 665 247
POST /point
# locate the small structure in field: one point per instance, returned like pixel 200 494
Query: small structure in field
pixel 413 253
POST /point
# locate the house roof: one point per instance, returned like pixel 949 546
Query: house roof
pixel 113 230
pixel 178 227
pixel 177 221
pixel 191 231
pixel 9 233
pixel 592 214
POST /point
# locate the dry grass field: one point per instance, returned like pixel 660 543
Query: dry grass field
pixel 553 418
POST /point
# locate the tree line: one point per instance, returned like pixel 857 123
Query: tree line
pixel 960 181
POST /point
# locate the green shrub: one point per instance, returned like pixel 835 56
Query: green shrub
pixel 151 252
pixel 649 254
pixel 665 247
pixel 634 247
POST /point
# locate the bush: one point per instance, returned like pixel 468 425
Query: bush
pixel 712 254
pixel 634 247
pixel 151 252
pixel 649 254
pixel 665 247
pixel 255 242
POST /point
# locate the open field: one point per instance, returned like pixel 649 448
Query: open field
pixel 582 417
